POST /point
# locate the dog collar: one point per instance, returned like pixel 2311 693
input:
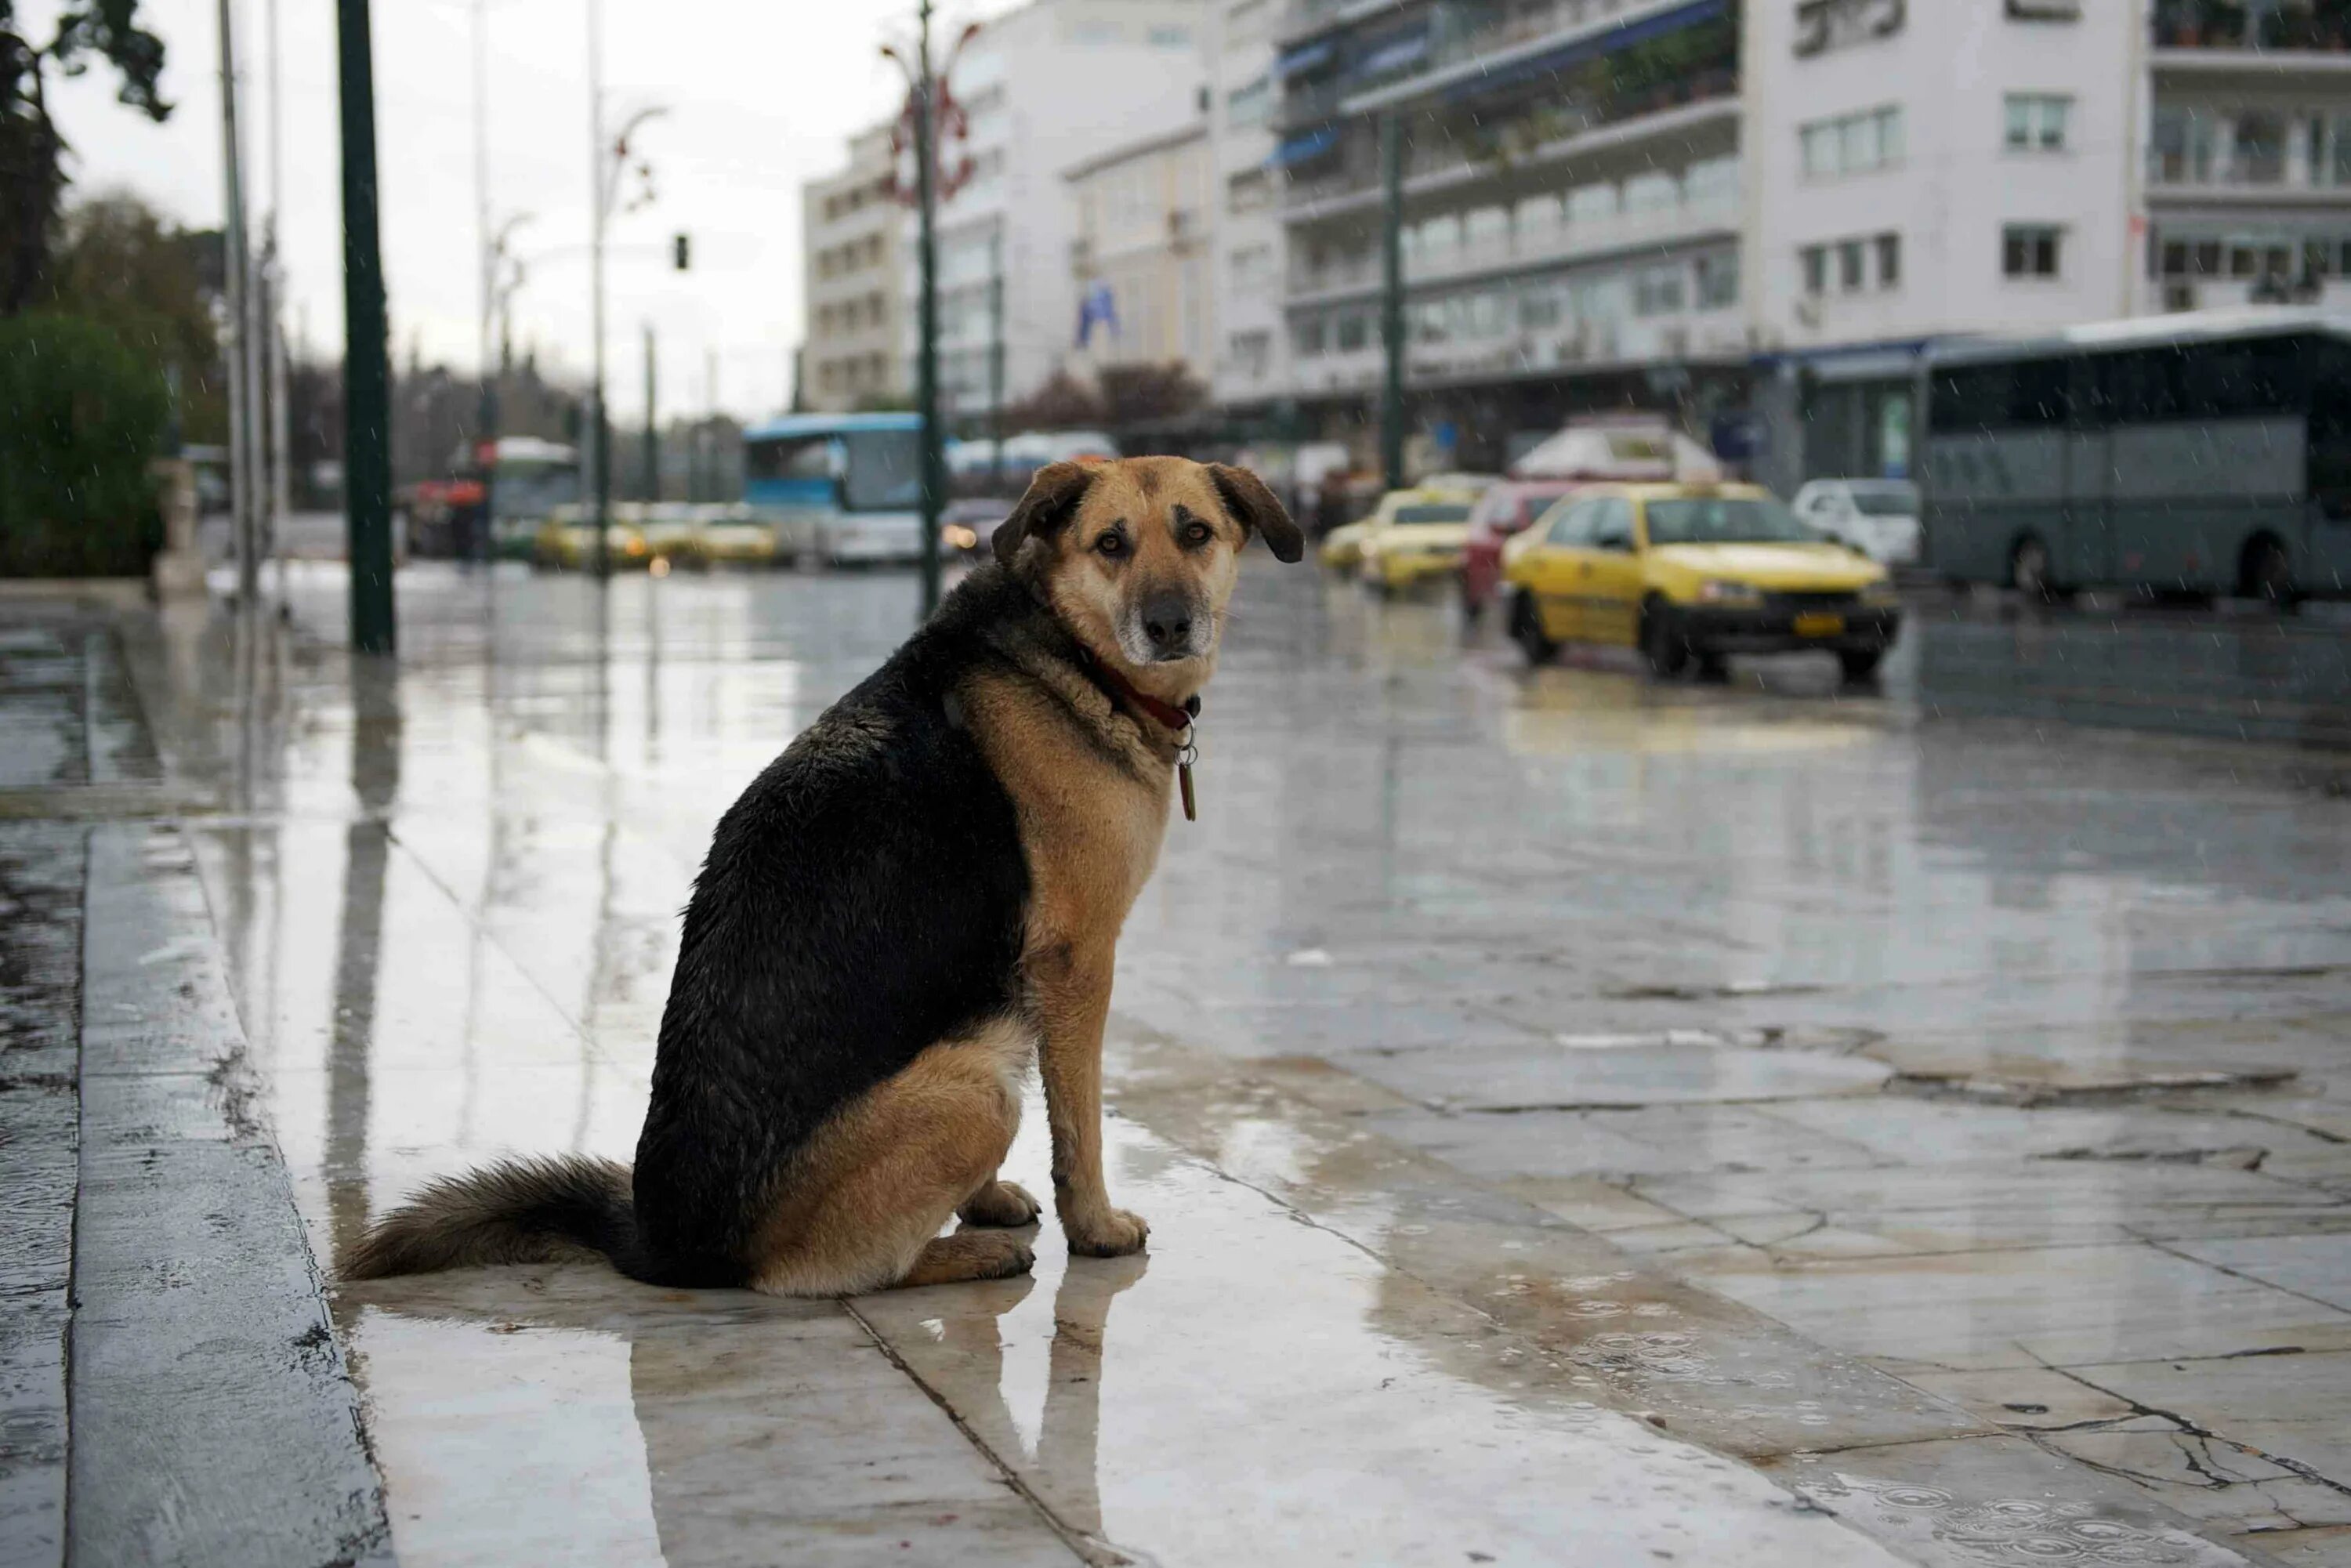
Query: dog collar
pixel 1176 721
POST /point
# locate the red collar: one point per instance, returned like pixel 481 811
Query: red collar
pixel 1170 717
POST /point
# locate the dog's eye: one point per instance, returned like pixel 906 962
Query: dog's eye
pixel 1112 545
pixel 1199 533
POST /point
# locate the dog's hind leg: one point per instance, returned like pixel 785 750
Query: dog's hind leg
pixel 862 1205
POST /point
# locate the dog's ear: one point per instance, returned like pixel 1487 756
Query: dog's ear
pixel 1254 507
pixel 1046 508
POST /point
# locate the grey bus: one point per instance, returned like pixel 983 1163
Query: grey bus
pixel 2196 455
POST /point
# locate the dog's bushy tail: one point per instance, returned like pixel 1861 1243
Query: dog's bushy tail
pixel 561 1209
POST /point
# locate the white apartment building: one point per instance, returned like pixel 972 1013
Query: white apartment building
pixel 850 272
pixel 1141 258
pixel 1042 89
pixel 1253 357
pixel 1733 209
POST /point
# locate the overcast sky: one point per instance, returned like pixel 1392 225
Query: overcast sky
pixel 759 94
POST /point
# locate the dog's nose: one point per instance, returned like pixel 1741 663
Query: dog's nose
pixel 1168 622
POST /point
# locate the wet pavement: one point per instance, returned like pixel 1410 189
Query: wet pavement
pixel 1581 1119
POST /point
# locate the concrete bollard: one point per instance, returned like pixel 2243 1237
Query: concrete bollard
pixel 178 565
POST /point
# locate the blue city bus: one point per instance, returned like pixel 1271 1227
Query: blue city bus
pixel 2203 454
pixel 838 489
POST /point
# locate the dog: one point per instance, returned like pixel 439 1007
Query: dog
pixel 918 898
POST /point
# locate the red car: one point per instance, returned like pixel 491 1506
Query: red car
pixel 1504 509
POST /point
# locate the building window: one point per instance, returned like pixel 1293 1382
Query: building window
pixel 1250 103
pixel 1850 270
pixel 1851 143
pixel 2186 144
pixel 1815 259
pixel 1889 261
pixel 1309 336
pixel 1657 291
pixel 2259 157
pixel 2031 250
pixel 1717 280
pixel 1354 331
pixel 2038 122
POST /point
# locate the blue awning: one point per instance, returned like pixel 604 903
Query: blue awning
pixel 1305 58
pixel 1306 144
pixel 1550 62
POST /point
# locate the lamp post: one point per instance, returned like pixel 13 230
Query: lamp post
pixel 609 161
pixel 367 373
pixel 1391 298
pixel 931 109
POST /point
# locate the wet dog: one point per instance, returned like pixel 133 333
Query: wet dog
pixel 919 897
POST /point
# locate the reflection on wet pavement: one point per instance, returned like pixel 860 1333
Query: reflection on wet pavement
pixel 1538 1086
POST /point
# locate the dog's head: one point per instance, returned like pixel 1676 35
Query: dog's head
pixel 1138 557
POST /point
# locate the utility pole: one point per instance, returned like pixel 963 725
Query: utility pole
pixel 652 431
pixel 245 482
pixel 366 374
pixel 281 444
pixel 995 356
pixel 1391 298
pixel 600 464
pixel 926 358
pixel 486 411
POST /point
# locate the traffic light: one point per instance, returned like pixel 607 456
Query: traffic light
pixel 681 253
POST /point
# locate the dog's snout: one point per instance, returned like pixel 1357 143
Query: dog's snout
pixel 1168 622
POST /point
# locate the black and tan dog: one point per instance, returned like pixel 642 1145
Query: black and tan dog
pixel 922 893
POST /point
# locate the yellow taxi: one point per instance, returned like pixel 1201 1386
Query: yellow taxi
pixel 1694 571
pixel 1426 539
pixel 1343 547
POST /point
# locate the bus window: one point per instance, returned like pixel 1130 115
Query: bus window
pixel 2043 393
pixel 2330 431
pixel 808 460
pixel 885 470
pixel 2237 379
pixel 2137 388
pixel 1970 397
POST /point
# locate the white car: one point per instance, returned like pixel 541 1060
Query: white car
pixel 1878 518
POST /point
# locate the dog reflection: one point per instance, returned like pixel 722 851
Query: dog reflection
pixel 752 1440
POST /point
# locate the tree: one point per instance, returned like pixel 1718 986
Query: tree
pixel 1063 402
pixel 80 417
pixel 117 262
pixel 1136 394
pixel 31 152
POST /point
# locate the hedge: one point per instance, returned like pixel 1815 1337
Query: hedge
pixel 80 419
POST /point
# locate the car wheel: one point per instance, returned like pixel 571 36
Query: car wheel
pixel 2028 570
pixel 1713 668
pixel 1526 630
pixel 1663 642
pixel 1860 663
pixel 2266 572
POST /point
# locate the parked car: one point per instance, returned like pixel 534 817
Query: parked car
pixel 1507 508
pixel 1878 518
pixel 1685 571
pixel 1342 549
pixel 1420 541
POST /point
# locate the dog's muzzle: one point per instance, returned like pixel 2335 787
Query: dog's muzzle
pixel 1164 628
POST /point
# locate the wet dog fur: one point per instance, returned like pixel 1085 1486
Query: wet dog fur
pixel 921 896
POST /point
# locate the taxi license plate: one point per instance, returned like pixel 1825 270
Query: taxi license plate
pixel 1820 625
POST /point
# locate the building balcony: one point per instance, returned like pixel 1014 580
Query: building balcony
pixel 1565 136
pixel 1689 223
pixel 2216 27
pixel 1590 345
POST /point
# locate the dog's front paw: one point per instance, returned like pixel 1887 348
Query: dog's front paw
pixel 1113 1233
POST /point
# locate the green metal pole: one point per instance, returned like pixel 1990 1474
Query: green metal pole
pixel 652 431
pixel 367 370
pixel 1392 300
pixel 926 355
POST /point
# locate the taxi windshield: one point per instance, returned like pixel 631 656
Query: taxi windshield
pixel 1431 512
pixel 1724 519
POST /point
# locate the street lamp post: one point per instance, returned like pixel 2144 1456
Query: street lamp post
pixel 1391 298
pixel 367 447
pixel 932 110
pixel 609 161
